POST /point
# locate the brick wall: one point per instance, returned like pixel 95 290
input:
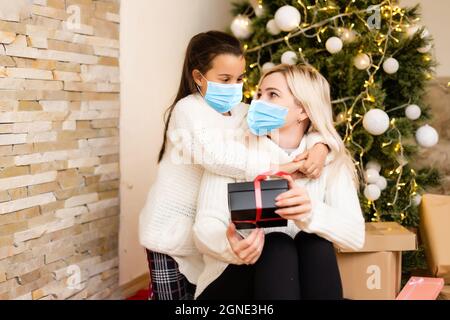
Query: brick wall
pixel 59 144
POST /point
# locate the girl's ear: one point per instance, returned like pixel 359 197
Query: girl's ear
pixel 197 76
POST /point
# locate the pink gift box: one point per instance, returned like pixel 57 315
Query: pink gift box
pixel 420 288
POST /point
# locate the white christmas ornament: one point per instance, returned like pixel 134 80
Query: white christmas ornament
pixel 381 183
pixel 241 27
pixel 424 49
pixel 259 10
pixel 413 112
pixel 272 27
pixel 362 61
pixel 289 57
pixel 372 192
pixel 267 66
pixel 372 175
pixel 373 165
pixel 390 65
pixel 417 199
pixel 334 45
pixel 427 136
pixel 347 35
pixel 376 122
pixel 287 18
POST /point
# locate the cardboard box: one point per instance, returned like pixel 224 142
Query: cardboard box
pixel 374 272
pixel 435 233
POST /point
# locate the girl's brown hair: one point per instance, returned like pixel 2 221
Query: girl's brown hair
pixel 200 53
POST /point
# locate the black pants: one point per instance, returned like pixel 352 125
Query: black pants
pixel 288 269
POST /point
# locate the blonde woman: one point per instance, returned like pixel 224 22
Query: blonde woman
pixel 297 261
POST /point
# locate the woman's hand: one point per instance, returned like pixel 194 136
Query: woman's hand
pixel 314 161
pixel 293 203
pixel 248 249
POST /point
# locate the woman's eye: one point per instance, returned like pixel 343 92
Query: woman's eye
pixel 240 80
pixel 258 95
pixel 273 94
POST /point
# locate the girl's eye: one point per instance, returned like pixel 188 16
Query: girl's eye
pixel 240 80
pixel 258 95
pixel 226 80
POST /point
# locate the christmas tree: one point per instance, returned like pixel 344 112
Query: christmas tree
pixel 377 59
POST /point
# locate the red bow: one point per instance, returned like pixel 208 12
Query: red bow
pixel 258 198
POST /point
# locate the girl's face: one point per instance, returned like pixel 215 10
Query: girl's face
pixel 226 68
pixel 274 89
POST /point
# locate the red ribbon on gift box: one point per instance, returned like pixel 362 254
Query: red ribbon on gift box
pixel 258 197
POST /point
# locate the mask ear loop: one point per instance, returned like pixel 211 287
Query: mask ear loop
pixel 198 87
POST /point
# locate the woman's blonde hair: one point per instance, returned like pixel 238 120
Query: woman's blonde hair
pixel 312 91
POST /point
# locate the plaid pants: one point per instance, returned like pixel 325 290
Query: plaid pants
pixel 167 283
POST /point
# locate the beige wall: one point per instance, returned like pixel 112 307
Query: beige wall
pixel 435 18
pixel 154 36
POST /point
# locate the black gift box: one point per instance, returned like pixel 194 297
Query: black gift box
pixel 242 204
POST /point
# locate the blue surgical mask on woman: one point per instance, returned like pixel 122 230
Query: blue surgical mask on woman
pixel 223 97
pixel 264 117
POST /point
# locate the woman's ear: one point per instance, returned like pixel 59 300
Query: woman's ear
pixel 197 76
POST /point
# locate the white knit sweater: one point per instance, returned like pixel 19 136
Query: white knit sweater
pixel 166 220
pixel 336 215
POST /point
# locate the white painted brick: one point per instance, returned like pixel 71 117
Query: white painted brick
pixel 103 204
pixel 7 37
pixel 43 85
pixel 101 142
pixel 11 84
pixel 110 176
pixel 38 126
pixel 113 17
pixel 19 204
pixel 99 105
pixel 40 157
pixel 102 151
pixel 42 137
pixel 92 115
pixel 97 41
pixel 67 56
pixel 99 268
pixel 80 200
pixel 86 162
pixel 37 42
pixel 9 251
pixel 32 233
pixel 106 52
pixel 28 73
pixel 55 106
pixel 60 224
pixel 66 76
pixel 69 125
pixel 107 168
pixel 26 52
pixel 70 212
pixel 99 73
pixel 27 180
pixel 6 139
pixel 81 28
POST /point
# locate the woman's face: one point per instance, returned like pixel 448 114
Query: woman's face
pixel 226 68
pixel 274 89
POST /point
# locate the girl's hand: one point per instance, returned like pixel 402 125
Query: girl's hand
pixel 315 160
pixel 293 203
pixel 248 249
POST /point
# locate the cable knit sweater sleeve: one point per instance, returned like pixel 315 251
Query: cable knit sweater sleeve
pixel 212 219
pixel 197 131
pixel 339 218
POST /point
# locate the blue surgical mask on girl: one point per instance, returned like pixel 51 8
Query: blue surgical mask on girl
pixel 264 117
pixel 223 97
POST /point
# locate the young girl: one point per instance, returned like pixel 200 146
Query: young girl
pixel 208 103
pixel 319 212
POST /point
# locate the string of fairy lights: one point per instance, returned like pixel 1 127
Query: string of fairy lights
pixel 397 22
